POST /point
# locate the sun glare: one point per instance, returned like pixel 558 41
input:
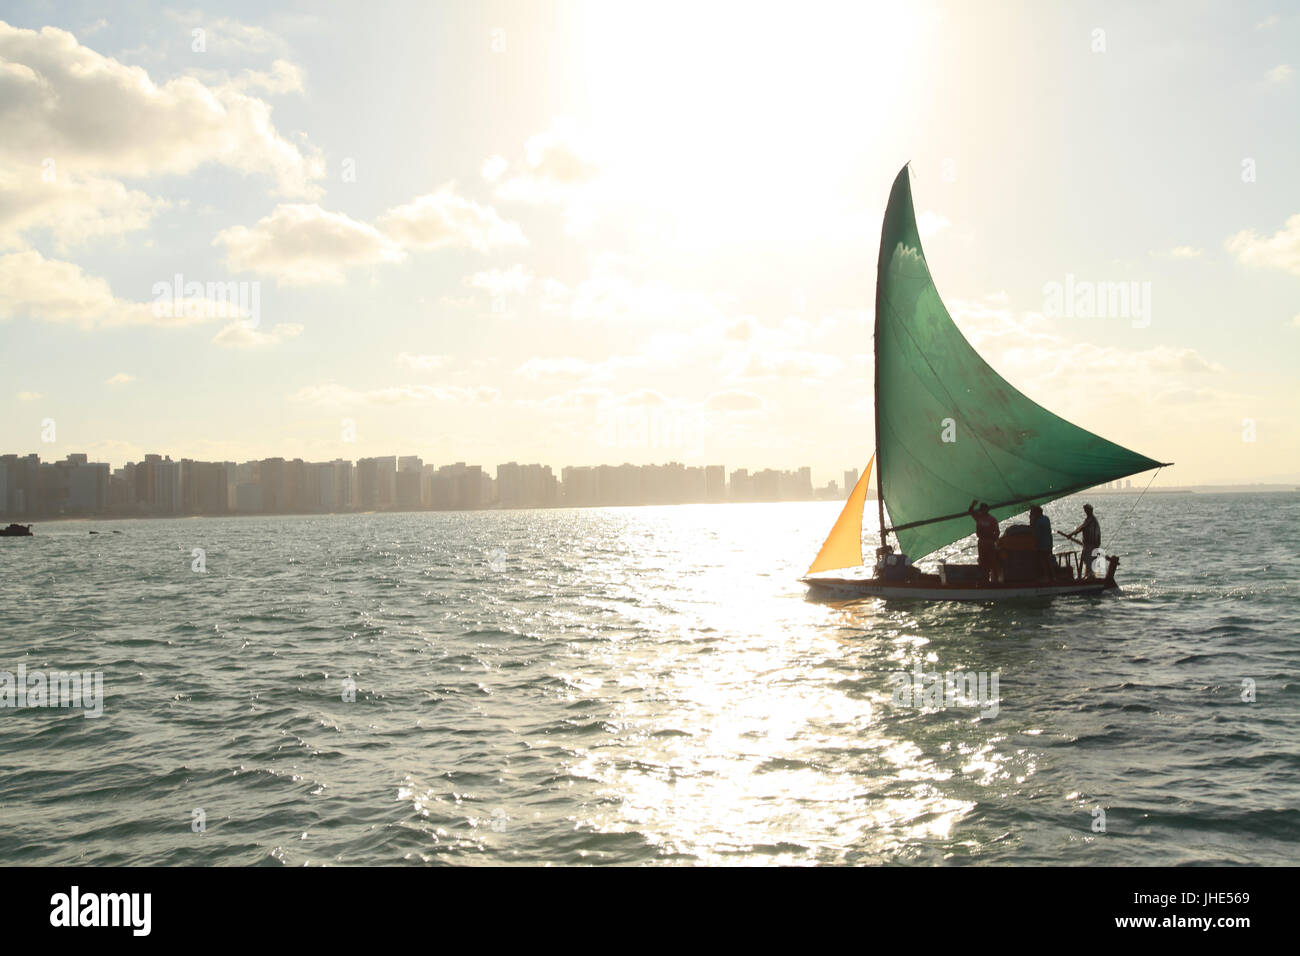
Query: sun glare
pixel 733 122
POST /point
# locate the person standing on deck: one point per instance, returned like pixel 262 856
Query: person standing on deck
pixel 986 531
pixel 1042 526
pixel 1091 539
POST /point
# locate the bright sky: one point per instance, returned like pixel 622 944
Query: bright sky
pixel 594 233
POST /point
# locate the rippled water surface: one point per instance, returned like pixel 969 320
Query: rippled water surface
pixel 643 686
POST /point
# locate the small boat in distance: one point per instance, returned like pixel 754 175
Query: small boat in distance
pixel 16 531
pixel 949 429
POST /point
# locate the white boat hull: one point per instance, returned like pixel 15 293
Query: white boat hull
pixel 874 588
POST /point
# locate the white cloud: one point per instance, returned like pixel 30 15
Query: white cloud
pixel 493 167
pixel 58 291
pixel 497 282
pixel 608 296
pixel 1186 252
pixel 228 36
pixel 284 77
pixel 1076 379
pixel 342 395
pixel 73 207
pixel 929 223
pixel 643 396
pixel 555 164
pixel 421 363
pixel 564 369
pixel 443 218
pixel 734 401
pixel 28 396
pixel 95 116
pixel 238 335
pixel 757 365
pixel 1280 74
pixel 121 378
pixel 555 296
pixel 1279 251
pixel 302 243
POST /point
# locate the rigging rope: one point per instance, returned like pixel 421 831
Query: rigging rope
pixel 1134 508
pixel 971 547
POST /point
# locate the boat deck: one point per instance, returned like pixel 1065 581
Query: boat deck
pixel 922 591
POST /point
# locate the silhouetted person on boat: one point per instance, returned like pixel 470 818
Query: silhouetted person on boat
pixel 986 532
pixel 1042 526
pixel 1091 531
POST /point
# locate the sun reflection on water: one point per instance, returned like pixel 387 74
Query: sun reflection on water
pixel 756 725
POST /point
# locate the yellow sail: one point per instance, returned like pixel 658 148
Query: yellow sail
pixel 843 547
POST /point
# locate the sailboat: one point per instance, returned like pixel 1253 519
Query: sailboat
pixel 949 429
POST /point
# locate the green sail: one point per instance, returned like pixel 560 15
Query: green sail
pixel 1008 450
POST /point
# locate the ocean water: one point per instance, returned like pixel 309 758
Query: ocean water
pixel 644 686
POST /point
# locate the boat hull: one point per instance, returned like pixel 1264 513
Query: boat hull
pixel 899 590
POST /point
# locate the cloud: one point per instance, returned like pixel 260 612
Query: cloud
pixel 576 398
pixel 284 77
pixel 644 396
pixel 499 282
pixel 238 335
pixel 564 369
pixel 230 37
pixel 1076 379
pixel 73 207
pixel 336 395
pixel 494 167
pixel 421 363
pixel 608 296
pixel 929 223
pixel 555 164
pixel 1280 74
pixel 95 116
pixel 28 396
pixel 1279 251
pixel 1185 252
pixel 758 365
pixel 734 401
pixel 58 291
pixel 121 378
pixel 442 218
pixel 302 243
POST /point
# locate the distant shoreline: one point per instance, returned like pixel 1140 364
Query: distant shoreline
pixel 33 520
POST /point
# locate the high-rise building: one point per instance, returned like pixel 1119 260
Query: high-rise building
pixel 715 482
pixel 377 478
pixel 510 485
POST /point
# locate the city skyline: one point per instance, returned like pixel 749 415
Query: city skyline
pixel 215 240
pixel 159 486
